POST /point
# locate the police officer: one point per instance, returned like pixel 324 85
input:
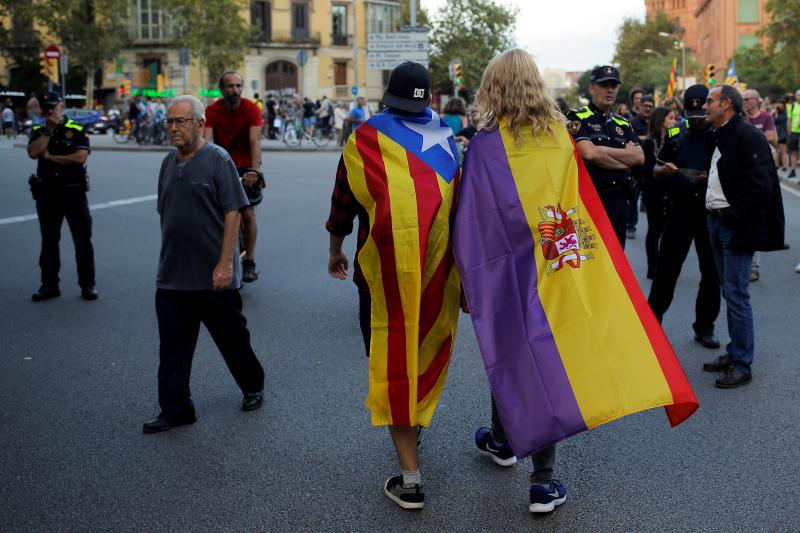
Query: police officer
pixel 682 162
pixel 608 146
pixel 59 187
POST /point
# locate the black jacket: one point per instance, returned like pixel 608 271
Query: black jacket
pixel 751 186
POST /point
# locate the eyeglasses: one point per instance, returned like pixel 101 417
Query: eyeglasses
pixel 179 121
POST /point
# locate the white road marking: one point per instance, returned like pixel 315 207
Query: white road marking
pixel 93 207
pixel 790 189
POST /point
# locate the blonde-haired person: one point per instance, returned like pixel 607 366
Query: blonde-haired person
pixel 512 97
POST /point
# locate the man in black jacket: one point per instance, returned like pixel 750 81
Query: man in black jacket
pixel 745 214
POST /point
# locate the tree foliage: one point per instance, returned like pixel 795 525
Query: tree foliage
pixel 644 57
pixel 24 50
pixel 758 68
pixel 214 30
pixel 473 31
pixel 91 32
pixel 783 32
pixel 423 19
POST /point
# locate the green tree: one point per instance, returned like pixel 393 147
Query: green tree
pixel 644 57
pixel 214 30
pixel 757 68
pixel 422 14
pixel 91 32
pixel 783 33
pixel 22 48
pixel 473 31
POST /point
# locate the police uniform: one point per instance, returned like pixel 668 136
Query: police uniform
pixel 590 124
pixel 60 192
pixel 685 222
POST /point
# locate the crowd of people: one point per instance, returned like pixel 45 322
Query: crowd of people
pixel 705 166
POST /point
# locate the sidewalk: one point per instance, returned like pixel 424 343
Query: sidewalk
pixel 106 143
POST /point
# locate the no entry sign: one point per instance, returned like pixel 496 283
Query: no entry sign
pixel 52 52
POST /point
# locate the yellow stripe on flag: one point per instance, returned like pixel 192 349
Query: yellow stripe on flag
pixel 607 356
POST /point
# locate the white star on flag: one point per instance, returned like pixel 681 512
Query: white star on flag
pixel 433 133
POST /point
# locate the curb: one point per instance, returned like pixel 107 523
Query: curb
pixel 795 184
pixel 133 148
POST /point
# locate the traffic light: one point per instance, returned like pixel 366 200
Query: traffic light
pixel 458 74
pixel 710 74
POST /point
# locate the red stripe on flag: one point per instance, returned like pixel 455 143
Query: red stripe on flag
pixel 433 296
pixel 431 375
pixel 682 393
pixel 429 198
pixel 378 187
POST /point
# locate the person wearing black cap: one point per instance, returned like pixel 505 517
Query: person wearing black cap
pixel 397 176
pixel 59 187
pixel 681 165
pixel 608 146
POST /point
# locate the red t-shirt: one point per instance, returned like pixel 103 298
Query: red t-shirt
pixel 232 128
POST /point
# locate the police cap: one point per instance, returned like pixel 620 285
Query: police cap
pixel 604 73
pixel 48 100
pixel 693 99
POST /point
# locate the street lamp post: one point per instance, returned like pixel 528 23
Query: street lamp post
pixel 679 42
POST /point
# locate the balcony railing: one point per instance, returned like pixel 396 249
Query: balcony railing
pixel 339 40
pixel 290 37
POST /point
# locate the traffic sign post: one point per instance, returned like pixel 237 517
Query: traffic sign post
pixel 387 50
pixel 302 59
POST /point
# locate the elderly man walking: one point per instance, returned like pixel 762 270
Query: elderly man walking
pixel 199 199
pixel 745 215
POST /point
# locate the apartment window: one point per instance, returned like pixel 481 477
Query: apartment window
pixel 746 41
pixel 748 11
pixel 261 19
pixel 148 21
pixel 382 18
pixel 340 73
pixel 339 24
pixel 300 20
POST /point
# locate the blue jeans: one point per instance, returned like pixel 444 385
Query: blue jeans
pixel 734 275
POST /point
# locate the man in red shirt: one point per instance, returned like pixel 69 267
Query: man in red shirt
pixel 234 123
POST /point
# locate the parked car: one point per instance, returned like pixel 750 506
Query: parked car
pixel 93 121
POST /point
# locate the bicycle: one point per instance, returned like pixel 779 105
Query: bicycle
pixel 294 137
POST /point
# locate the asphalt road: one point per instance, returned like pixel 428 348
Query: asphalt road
pixel 77 379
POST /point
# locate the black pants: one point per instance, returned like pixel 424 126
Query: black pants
pixel 543 461
pixel 52 208
pixel 656 206
pixel 365 317
pixel 686 222
pixel 615 202
pixel 179 316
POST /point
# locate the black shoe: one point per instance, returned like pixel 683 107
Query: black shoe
pixel 718 364
pixel 707 341
pixel 45 293
pixel 163 423
pixel 252 401
pixel 89 294
pixel 732 378
pixel 406 497
pixel 249 271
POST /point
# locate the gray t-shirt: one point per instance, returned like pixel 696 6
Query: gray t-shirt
pixel 193 197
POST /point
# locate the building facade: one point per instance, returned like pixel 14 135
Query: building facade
pixel 715 29
pixel 312 48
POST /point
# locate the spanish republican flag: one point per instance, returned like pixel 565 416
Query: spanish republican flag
pixel 402 169
pixel 567 338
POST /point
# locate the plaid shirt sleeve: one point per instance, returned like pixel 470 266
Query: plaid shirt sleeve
pixel 344 206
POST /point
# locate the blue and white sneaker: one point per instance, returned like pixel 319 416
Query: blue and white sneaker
pixel 501 454
pixel 545 499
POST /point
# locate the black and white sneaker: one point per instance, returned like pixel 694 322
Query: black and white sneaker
pixel 406 497
pixel 502 454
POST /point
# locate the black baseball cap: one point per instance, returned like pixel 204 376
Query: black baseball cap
pixel 604 73
pixel 693 99
pixel 409 88
pixel 48 100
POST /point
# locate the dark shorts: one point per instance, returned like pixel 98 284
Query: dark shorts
pixel 794 142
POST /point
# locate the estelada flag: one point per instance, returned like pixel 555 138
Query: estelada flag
pixel 402 169
pixel 567 338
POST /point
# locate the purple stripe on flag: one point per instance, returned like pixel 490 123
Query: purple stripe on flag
pixel 494 249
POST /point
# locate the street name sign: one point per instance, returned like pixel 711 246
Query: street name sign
pixel 387 50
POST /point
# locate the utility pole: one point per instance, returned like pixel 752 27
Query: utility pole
pixel 355 48
pixel 413 7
